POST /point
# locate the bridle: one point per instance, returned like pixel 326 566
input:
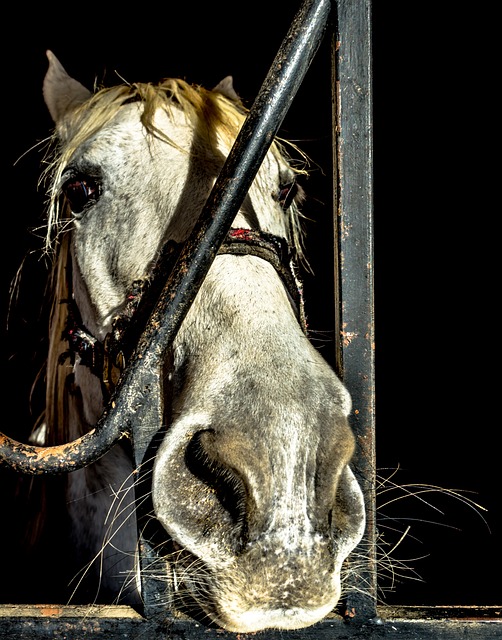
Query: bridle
pixel 107 359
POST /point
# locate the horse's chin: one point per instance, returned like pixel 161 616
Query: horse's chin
pixel 254 620
pixel 248 606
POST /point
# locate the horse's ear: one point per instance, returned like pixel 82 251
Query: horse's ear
pixel 61 92
pixel 226 87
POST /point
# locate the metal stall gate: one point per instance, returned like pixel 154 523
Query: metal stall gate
pixel 348 25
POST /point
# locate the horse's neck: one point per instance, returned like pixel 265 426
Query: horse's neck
pixel 100 497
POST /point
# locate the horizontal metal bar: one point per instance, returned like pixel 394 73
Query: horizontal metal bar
pixel 41 622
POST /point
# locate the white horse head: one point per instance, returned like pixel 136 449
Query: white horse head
pixel 251 482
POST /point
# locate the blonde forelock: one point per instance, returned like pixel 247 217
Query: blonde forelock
pixel 221 116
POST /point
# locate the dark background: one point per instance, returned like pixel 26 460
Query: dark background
pixel 435 241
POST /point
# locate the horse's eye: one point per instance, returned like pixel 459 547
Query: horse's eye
pixel 80 191
pixel 286 194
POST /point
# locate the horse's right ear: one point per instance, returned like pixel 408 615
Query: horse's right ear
pixel 61 92
pixel 226 87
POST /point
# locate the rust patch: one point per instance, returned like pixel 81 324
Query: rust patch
pixel 49 610
pixel 347 337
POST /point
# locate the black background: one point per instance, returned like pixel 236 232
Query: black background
pixel 436 246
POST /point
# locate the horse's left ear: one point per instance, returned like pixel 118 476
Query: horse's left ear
pixel 61 92
pixel 226 87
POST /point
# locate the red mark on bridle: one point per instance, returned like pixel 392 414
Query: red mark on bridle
pixel 241 234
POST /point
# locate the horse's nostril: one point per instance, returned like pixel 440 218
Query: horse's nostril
pixel 203 460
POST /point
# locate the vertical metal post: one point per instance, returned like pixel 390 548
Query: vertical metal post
pixel 354 295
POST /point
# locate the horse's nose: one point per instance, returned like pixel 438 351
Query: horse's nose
pixel 262 527
pixel 223 489
pixel 207 488
pixel 220 470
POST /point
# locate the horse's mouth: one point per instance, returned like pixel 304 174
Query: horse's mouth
pixel 235 617
pixel 285 619
pixel 240 601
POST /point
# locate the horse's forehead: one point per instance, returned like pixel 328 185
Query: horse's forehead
pixel 178 129
pixel 127 129
pixel 147 176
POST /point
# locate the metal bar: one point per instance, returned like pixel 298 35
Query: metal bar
pixel 252 144
pixel 32 460
pixel 140 381
pixel 353 221
pixel 56 622
pixel 262 124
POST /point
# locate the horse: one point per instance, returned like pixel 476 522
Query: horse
pixel 251 483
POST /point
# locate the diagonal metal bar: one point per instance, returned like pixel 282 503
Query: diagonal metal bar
pixel 136 400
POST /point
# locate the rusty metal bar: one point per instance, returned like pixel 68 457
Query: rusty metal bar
pixel 262 124
pixel 136 392
pixel 56 622
pixel 354 264
pixel 252 144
